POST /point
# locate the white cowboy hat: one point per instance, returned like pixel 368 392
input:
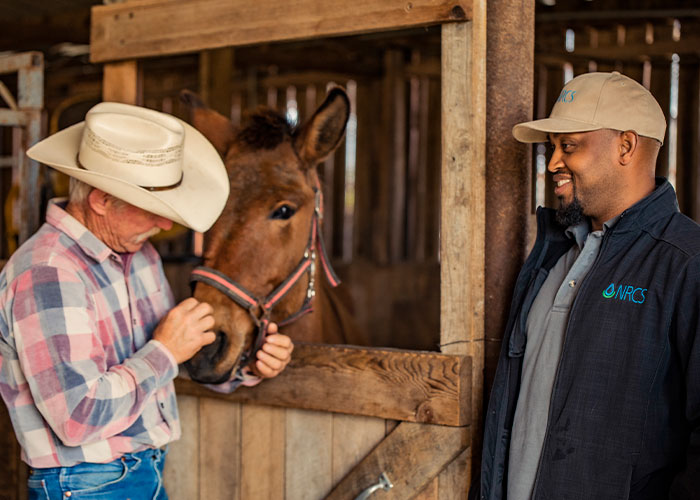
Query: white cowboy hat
pixel 147 158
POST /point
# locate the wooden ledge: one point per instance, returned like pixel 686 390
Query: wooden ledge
pixel 413 386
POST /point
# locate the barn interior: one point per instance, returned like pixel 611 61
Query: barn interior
pixel 382 186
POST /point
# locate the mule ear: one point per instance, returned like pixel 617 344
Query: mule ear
pixel 214 126
pixel 321 135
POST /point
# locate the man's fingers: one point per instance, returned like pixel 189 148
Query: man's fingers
pixel 208 337
pixel 271 361
pixel 203 309
pixel 277 351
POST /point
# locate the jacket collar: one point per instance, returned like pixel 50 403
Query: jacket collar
pixel 659 204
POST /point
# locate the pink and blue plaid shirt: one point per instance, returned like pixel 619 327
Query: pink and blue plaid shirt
pixel 81 377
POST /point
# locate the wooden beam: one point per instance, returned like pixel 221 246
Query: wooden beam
pixel 122 82
pixel 159 27
pixel 401 385
pixel 463 178
pixel 411 456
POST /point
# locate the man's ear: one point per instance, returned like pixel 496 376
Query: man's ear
pixel 98 201
pixel 628 146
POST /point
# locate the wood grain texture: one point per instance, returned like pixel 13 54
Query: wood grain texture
pixel 219 449
pixel 353 437
pixel 263 431
pixel 401 385
pixel 411 456
pixel 122 83
pixel 308 464
pixel 181 474
pixel 463 214
pixel 159 27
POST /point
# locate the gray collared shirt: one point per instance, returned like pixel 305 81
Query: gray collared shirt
pixel 546 329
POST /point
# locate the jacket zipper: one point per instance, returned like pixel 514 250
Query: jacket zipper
pixel 603 244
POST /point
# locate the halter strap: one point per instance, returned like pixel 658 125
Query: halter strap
pixel 260 309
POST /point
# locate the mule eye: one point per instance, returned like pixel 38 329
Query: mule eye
pixel 283 212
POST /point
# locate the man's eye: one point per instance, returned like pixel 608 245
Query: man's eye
pixel 282 212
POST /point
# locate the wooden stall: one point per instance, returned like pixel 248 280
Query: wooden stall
pixel 408 414
pixel 340 416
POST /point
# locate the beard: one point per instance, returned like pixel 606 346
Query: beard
pixel 571 214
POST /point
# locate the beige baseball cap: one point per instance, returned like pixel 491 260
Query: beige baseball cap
pixel 595 101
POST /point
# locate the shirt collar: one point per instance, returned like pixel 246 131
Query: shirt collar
pixel 57 217
pixel 580 231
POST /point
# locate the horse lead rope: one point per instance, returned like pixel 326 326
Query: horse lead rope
pixel 247 300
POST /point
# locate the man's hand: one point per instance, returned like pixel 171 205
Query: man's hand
pixel 274 355
pixel 186 329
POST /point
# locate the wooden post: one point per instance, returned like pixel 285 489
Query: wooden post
pixel 462 224
pixel 122 82
pixel 215 73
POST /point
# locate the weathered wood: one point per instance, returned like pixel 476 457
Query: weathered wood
pixel 215 74
pixel 263 431
pixel 462 228
pixel 397 171
pixel 308 454
pixel 455 479
pixel 122 83
pixel 182 467
pixel 219 449
pixel 511 36
pixel 160 27
pixel 411 456
pixel 402 385
pixel 353 438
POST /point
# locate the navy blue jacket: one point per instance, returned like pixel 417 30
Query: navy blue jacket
pixel 624 419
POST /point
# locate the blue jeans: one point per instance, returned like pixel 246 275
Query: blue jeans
pixel 134 476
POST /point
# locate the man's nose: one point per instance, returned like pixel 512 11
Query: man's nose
pixel 163 223
pixel 555 162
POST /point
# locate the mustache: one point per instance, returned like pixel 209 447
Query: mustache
pixel 140 238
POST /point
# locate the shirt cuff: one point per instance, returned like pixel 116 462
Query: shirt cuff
pixel 160 359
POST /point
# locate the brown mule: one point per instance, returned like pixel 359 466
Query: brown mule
pixel 264 233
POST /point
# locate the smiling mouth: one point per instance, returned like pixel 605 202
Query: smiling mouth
pixel 562 182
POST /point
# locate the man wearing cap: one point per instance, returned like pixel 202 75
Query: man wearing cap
pixel 90 338
pixel 597 390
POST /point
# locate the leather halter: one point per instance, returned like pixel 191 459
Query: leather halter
pixel 260 309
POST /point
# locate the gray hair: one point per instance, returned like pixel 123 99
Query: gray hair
pixel 78 191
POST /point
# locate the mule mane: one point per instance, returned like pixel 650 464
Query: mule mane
pixel 265 129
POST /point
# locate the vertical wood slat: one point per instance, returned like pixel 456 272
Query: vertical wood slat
pixel 398 162
pixel 309 442
pixel 182 466
pixel 263 431
pixel 219 449
pixel 353 438
pixel 462 243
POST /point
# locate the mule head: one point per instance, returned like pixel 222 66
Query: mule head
pixel 263 232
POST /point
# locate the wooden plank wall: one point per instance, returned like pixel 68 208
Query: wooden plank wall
pixel 643 50
pixel 381 226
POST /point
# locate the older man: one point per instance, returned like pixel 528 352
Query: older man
pixel 90 338
pixel 597 390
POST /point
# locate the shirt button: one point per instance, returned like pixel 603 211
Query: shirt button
pixel 572 283
pixel 162 405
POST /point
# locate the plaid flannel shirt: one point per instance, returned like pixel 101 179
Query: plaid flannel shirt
pixel 79 373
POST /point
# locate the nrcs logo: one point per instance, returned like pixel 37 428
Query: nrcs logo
pixel 629 293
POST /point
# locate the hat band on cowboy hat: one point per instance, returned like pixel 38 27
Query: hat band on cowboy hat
pixel 594 101
pixel 147 158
